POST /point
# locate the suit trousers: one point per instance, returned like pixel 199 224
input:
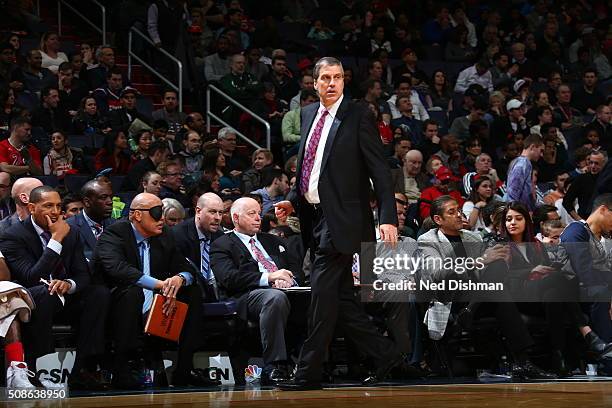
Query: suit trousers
pixel 128 324
pixel 86 310
pixel 334 301
pixel 270 307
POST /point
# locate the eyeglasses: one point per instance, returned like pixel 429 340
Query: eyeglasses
pixel 155 212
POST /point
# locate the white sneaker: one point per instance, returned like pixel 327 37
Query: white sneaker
pixel 17 375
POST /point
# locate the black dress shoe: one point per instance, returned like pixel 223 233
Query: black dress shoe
pixel 597 345
pixel 559 365
pixel 86 380
pixel 127 379
pixel 529 371
pixel 383 371
pixel 196 378
pixel 298 385
pixel 273 376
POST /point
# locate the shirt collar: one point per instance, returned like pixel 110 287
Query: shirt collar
pixel 244 237
pixel 201 235
pixel 89 221
pixel 37 228
pixel 139 238
pixel 333 109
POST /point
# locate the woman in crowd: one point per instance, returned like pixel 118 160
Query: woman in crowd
pixel 62 159
pixel 214 165
pixel 251 178
pixel 458 49
pixel 142 140
pixel 8 108
pixel 480 196
pixel 432 165
pixel 89 120
pixel 440 96
pixel 173 211
pixel 52 57
pixel 151 183
pixel 114 154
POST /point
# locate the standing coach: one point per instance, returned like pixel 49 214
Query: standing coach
pixel 340 151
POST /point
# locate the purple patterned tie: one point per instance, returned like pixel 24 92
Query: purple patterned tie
pixel 261 258
pixel 311 152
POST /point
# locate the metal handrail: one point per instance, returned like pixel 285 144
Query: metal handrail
pixel 178 88
pixel 87 20
pixel 210 114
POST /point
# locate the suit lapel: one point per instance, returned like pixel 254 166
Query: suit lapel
pixel 33 240
pixel 340 114
pixel 86 232
pixel 271 248
pixel 192 234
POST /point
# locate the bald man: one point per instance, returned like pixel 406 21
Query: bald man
pixel 21 196
pixel 7 207
pixel 248 266
pixel 409 179
pixel 138 257
pixel 195 235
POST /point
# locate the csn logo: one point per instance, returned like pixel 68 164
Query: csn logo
pixel 252 373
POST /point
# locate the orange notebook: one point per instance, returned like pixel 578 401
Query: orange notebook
pixel 167 327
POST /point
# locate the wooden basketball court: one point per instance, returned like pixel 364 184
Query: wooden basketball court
pixel 511 395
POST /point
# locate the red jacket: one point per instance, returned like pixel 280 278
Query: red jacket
pixel 430 194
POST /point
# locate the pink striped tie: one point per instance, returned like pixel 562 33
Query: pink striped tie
pixel 311 152
pixel 261 258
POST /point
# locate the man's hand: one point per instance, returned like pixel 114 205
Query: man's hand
pixel 388 233
pixel 171 286
pixel 281 284
pixel 283 209
pixel 58 229
pixel 498 252
pixel 281 274
pixel 60 287
pixel 235 173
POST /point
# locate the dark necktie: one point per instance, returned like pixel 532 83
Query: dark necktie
pixel 311 152
pixel 205 250
pixel 98 229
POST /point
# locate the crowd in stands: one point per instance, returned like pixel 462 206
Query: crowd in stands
pixel 496 120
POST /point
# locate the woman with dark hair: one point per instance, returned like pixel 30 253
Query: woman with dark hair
pixel 8 108
pixel 480 196
pixel 533 278
pixel 89 119
pixel 440 96
pixel 458 49
pixel 214 165
pixel 142 140
pixel 62 159
pixel 114 154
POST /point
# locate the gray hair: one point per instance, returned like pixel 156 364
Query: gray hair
pixel 172 204
pixel 323 62
pixel 238 206
pixel 222 134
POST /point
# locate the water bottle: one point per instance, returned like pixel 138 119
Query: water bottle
pixel 504 366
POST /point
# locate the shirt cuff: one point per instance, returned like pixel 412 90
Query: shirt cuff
pixel 147 282
pixel 55 246
pixel 188 278
pixel 72 288
pixel 263 281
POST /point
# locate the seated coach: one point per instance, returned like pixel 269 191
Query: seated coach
pixel 45 256
pixel 250 267
pixel 137 257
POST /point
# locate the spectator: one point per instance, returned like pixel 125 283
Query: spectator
pixel 151 183
pixel 559 190
pixel 403 87
pixel 603 123
pixel 459 18
pixel 461 125
pixel 217 65
pixel 158 153
pixel 291 124
pixel 319 31
pixel 114 154
pixel 47 115
pixel 401 146
pixel 542 213
pixel 276 186
pixel 481 195
pixel 409 179
pixel 587 97
pixel 476 74
pixel 10 74
pixel 505 127
pixel 520 186
pixel 458 49
pixel 409 125
pixel 526 67
pixel 89 119
pixel 7 205
pixel 583 186
pixel 192 156
pixel 483 167
pixel 502 71
pixel 565 115
pixel 441 96
pixel 170 111
pixel 437 30
pixel 172 182
pixel 63 159
pixel 450 155
pixel 173 211
pixel 50 47
pixel 253 64
pixel 409 69
pixel 442 186
pixel 35 77
pixel 286 87
pixel 123 117
pixel 71 89
pixel 214 164
pixel 142 142
pixel 306 83
pixel 430 139
pixel 98 74
pixel 72 205
pixel 234 163
pixel 108 97
pixel 8 109
pixel 252 177
pixel 239 84
pixel 17 156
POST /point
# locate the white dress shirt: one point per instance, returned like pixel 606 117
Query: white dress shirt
pixel 56 247
pixel 312 196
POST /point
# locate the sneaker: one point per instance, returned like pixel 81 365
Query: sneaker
pixel 17 375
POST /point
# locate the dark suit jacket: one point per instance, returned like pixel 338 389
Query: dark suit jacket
pixel 237 273
pixel 88 240
pixel 117 258
pixel 28 262
pixel 188 244
pixel 353 154
pixel 8 222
